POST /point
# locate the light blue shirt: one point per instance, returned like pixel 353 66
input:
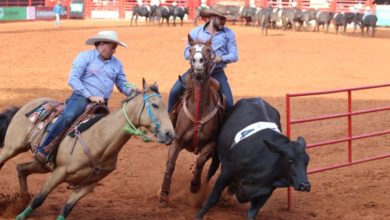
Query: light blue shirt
pixel 223 43
pixel 92 76
pixel 57 9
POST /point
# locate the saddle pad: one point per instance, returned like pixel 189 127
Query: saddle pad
pixel 84 125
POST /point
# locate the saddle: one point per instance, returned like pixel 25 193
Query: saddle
pixel 45 115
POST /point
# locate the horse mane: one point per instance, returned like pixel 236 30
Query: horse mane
pixel 153 88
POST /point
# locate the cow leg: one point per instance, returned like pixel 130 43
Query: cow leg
pixel 173 153
pixel 200 162
pixel 256 204
pixel 26 169
pixel 221 183
pixel 77 194
pixel 52 182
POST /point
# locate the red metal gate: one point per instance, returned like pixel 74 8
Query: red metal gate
pixel 348 139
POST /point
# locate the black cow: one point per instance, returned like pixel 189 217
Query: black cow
pixel 323 18
pixel 307 17
pixel 179 11
pixel 264 19
pixel 291 16
pixel 143 11
pixel 248 14
pixel 256 160
pixel 164 12
pixel 368 21
pixel 339 20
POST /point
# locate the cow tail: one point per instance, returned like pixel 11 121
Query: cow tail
pixel 5 120
pixel 213 166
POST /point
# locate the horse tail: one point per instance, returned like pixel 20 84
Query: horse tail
pixel 5 120
pixel 213 166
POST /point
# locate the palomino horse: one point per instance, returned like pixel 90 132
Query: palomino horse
pixel 83 170
pixel 199 117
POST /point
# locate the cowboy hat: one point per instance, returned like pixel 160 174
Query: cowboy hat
pixel 220 11
pixel 106 36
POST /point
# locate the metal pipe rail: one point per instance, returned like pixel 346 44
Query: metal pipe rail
pixel 349 137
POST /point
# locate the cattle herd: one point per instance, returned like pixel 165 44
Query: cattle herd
pixel 268 18
pixel 299 19
pixel 158 14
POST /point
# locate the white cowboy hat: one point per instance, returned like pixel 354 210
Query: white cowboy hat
pixel 108 36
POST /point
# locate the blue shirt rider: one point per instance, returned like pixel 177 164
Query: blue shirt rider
pixel 224 45
pixel 92 78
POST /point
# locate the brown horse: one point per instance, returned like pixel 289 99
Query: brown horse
pixel 83 170
pixel 199 116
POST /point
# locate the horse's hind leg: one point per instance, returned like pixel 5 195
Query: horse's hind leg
pixel 26 169
pixel 9 152
pixel 200 162
pixel 77 194
pixel 52 182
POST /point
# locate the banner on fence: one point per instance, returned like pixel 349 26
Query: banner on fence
pixel 76 9
pixel 13 13
pixel 383 14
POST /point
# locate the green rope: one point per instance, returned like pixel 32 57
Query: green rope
pixel 24 214
pixel 131 129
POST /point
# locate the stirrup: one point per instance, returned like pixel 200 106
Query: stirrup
pixel 41 157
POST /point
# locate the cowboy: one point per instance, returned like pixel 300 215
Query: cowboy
pixel 225 47
pixel 58 10
pixel 92 78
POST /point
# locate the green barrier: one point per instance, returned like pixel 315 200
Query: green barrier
pixel 383 14
pixel 13 13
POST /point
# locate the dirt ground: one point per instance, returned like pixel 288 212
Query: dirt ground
pixel 36 58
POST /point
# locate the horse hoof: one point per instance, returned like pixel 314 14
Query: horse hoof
pixel 163 201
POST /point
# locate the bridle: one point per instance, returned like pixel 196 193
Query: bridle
pixel 208 62
pixel 131 129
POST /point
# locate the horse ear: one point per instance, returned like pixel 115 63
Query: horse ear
pixel 190 40
pixel 143 83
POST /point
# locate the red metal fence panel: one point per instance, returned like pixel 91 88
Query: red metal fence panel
pixel 349 138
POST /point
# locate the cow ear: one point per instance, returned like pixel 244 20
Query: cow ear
pixel 301 141
pixel 273 147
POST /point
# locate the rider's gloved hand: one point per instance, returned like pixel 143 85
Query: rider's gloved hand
pixel 217 59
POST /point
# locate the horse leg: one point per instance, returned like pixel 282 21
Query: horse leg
pixel 77 194
pixel 52 182
pixel 173 153
pixel 10 152
pixel 200 162
pixel 25 169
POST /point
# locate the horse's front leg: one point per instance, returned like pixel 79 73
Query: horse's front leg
pixel 26 169
pixel 205 154
pixel 77 194
pixel 53 181
pixel 173 153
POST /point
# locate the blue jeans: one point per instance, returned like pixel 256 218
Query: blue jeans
pixel 74 107
pixel 218 74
